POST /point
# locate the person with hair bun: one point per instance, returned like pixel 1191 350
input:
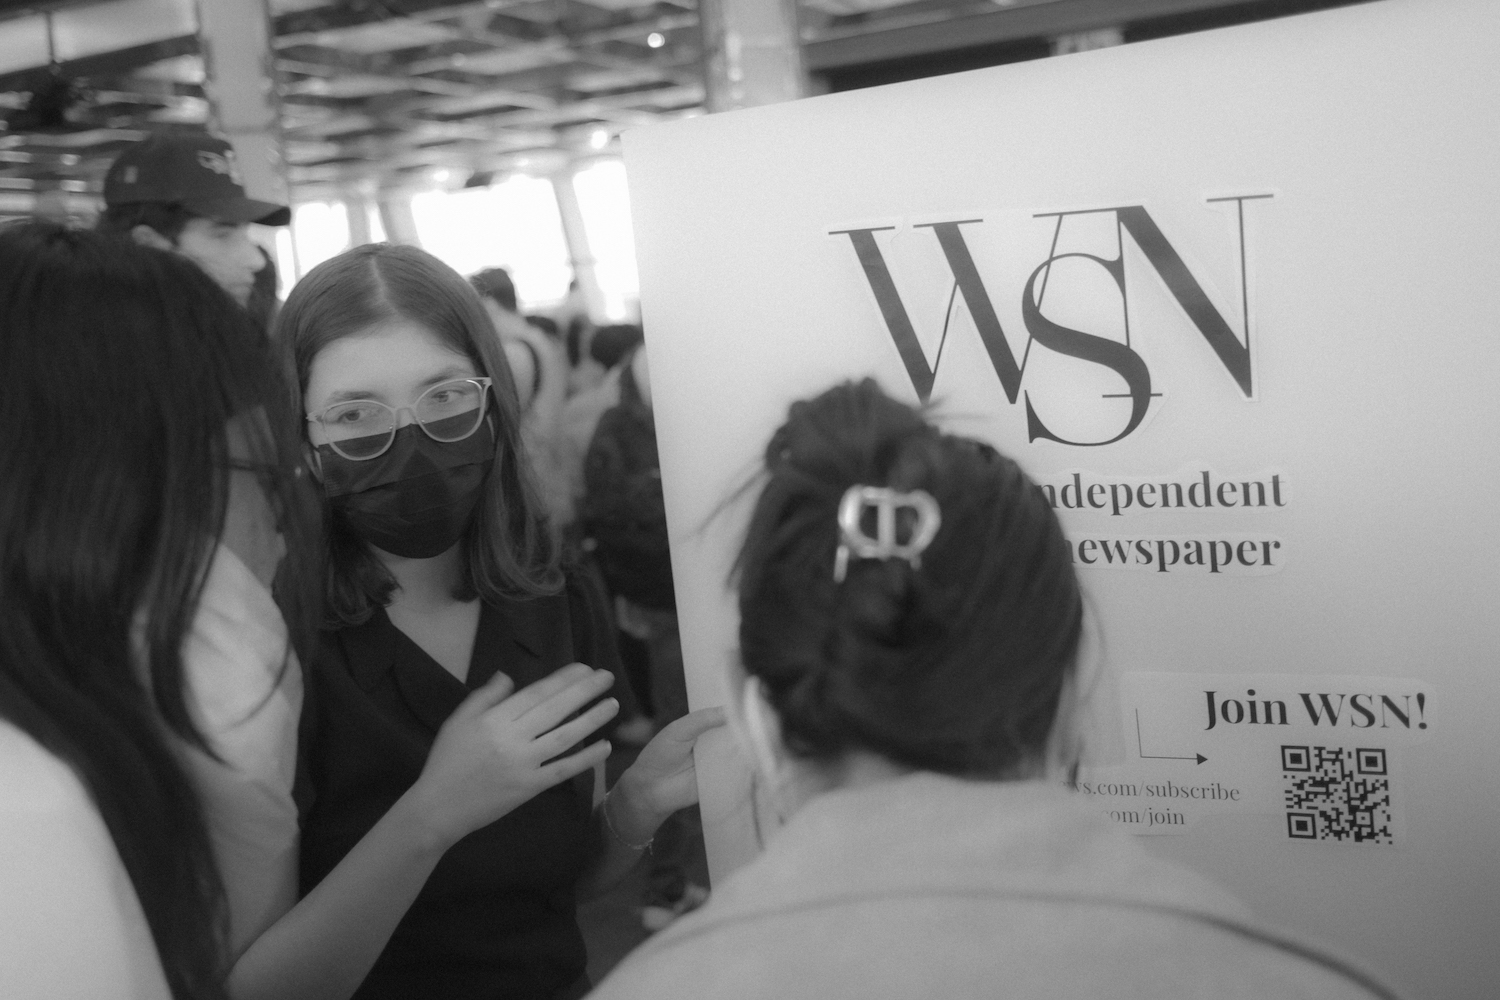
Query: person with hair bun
pixel 910 631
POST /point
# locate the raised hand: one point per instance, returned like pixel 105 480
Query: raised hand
pixel 663 779
pixel 497 749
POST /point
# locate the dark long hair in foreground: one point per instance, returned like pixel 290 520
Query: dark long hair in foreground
pixel 120 368
pixel 956 666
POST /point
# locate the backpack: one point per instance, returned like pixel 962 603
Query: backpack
pixel 623 514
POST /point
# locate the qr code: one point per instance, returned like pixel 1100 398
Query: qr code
pixel 1337 794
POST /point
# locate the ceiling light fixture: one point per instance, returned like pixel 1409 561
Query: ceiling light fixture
pixel 656 39
pixel 599 138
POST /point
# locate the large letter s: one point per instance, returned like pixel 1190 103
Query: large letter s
pixel 1112 354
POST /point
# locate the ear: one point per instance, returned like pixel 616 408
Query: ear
pixel 148 237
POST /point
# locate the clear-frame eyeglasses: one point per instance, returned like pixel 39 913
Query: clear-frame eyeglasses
pixel 362 429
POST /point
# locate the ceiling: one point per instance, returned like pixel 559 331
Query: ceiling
pixel 377 94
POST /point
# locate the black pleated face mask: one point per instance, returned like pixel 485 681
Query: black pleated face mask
pixel 417 498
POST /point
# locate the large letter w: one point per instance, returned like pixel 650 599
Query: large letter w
pixel 966 276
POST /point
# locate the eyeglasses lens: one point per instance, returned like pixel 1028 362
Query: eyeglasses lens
pixel 451 411
pixel 359 430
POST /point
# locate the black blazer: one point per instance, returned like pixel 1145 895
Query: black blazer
pixel 497 916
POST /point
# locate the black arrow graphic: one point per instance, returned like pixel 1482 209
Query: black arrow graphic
pixel 1151 756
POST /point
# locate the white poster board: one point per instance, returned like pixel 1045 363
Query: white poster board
pixel 1233 298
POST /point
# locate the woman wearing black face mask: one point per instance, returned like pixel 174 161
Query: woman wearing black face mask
pixel 453 637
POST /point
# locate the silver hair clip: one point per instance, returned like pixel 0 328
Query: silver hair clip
pixel 885 502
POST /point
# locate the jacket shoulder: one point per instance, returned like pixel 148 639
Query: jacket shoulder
pixel 965 948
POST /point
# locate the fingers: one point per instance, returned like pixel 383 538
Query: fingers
pixel 693 725
pixel 535 694
pixel 491 693
pixel 555 742
pixel 557 707
pixel 566 767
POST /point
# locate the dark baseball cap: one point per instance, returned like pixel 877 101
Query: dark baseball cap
pixel 191 169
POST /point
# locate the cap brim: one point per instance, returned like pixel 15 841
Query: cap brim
pixel 264 213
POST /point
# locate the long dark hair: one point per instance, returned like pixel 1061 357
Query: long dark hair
pixel 122 368
pixel 954 666
pixel 509 549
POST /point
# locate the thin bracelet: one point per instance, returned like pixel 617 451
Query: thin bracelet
pixel 609 825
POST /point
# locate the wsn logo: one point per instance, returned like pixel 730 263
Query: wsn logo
pixel 1115 355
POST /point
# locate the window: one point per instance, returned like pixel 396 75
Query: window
pixel 604 202
pixel 514 224
pixel 320 230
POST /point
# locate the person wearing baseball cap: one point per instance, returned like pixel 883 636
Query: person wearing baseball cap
pixel 182 191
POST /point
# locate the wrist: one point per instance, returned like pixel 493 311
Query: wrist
pixel 628 813
pixel 420 824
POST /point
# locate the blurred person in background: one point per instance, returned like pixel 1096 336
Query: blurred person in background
pixel 547 325
pixel 609 346
pixel 601 350
pixel 623 522
pixel 574 325
pixel 182 191
pixel 540 368
pixel 908 691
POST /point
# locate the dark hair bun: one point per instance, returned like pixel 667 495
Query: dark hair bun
pixel 954 665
